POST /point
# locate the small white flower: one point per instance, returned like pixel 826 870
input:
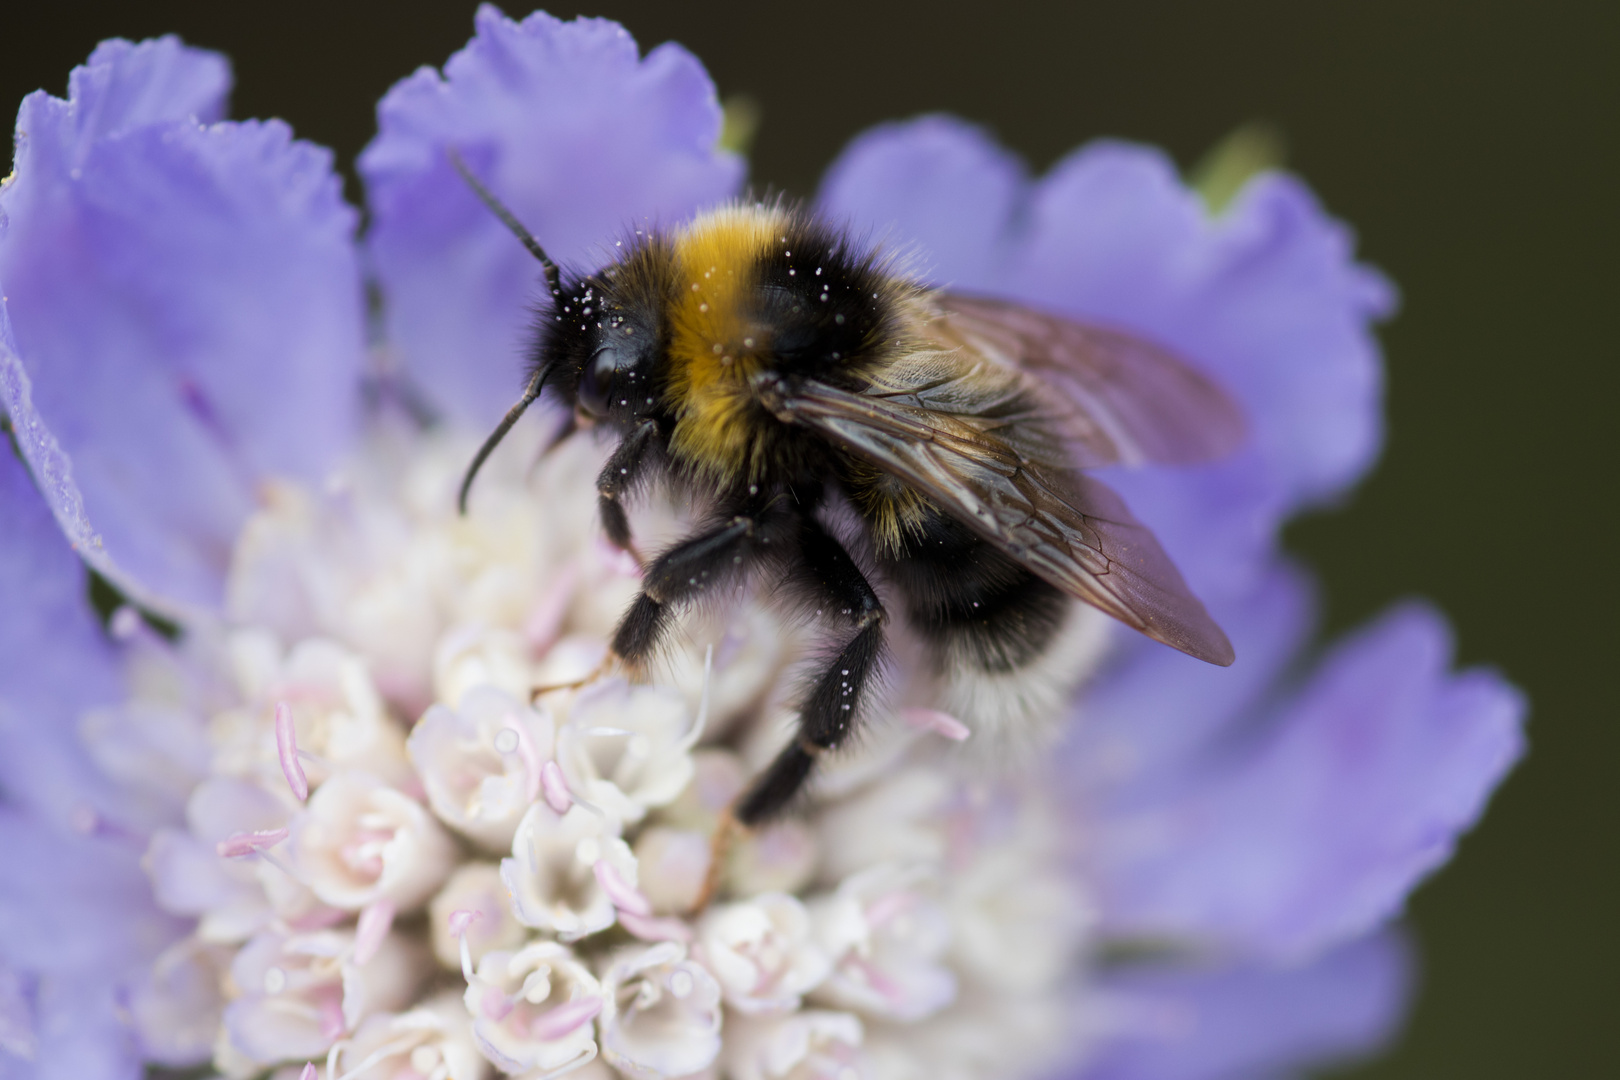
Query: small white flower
pixel 176 1006
pixel 888 937
pixel 480 763
pixel 359 841
pixel 910 803
pixel 781 857
pixel 813 1044
pixel 624 747
pixel 433 1040
pixel 300 994
pixel 552 876
pixel 474 656
pixel 339 719
pixel 762 953
pixel 661 1013
pixel 674 864
pixel 532 1009
pixel 474 887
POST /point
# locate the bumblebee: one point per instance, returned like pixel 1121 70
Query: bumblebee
pixel 783 377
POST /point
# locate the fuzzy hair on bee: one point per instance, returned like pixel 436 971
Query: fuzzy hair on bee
pixel 775 373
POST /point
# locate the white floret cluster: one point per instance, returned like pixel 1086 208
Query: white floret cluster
pixel 403 868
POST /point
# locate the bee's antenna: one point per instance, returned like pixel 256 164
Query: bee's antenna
pixel 507 218
pixel 530 392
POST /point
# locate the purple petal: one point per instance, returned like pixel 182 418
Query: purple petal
pixel 1241 1023
pixel 76 1031
pixel 1155 713
pixel 1309 825
pixel 71 902
pixel 54 659
pixel 577 133
pixel 185 314
pixel 937 186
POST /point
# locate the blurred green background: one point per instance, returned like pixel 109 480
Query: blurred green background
pixel 1474 146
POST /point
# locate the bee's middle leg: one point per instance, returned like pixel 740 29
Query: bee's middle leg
pixel 831 709
pixel 736 541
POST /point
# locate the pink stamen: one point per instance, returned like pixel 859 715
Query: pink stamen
pixel 888 907
pixel 309 1071
pixel 625 896
pixel 617 560
pixel 496 1005
pixel 242 844
pixel 655 929
pixel 564 1019
pixel 371 928
pixel 545 620
pixel 879 981
pixel 330 1010
pixel 555 788
pixel 938 722
pixel 287 750
pixel 461 918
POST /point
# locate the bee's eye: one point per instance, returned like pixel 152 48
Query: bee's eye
pixel 596 381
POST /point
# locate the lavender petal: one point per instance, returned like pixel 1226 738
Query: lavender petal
pixel 583 138
pixel 1242 1022
pixel 1310 823
pixel 185 314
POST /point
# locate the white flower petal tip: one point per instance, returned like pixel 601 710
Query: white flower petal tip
pixel 940 723
pixel 359 841
pixel 552 878
pixel 483 763
pixel 623 748
pixel 662 1013
pixel 532 1009
pixel 763 953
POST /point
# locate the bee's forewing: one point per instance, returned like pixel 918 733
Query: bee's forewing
pixel 1071 530
pixel 1127 400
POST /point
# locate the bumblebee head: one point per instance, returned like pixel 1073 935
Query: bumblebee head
pixel 602 341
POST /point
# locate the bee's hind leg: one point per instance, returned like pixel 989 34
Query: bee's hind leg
pixel 831 709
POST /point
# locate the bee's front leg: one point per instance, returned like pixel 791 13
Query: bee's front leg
pixel 623 470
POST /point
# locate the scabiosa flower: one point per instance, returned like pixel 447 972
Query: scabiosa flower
pixel 324 821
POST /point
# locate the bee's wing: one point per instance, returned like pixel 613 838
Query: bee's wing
pixel 1071 530
pixel 1124 400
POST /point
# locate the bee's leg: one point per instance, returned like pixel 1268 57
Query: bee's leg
pixel 729 548
pixel 621 472
pixel 832 707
